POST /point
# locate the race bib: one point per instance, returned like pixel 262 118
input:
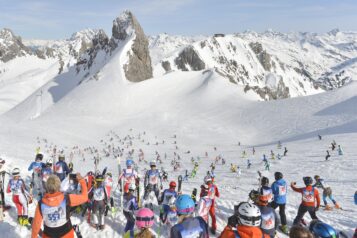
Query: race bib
pixel 282 190
pixel 308 196
pixel 54 216
pixel 98 194
pixel 59 169
pixel 268 221
pixel 192 233
pixel 153 179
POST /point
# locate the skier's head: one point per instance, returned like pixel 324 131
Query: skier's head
pixel 185 205
pixel 61 158
pixel 129 163
pixel 99 179
pixel 144 218
pixel 322 230
pixel 307 180
pixel 265 181
pixel 109 174
pixel 278 175
pixel 248 214
pixel 49 162
pixel 16 173
pixel 132 187
pixel 316 177
pixel 153 164
pixel 207 179
pixel 39 157
pixel 299 232
pixel 172 185
pixel 53 184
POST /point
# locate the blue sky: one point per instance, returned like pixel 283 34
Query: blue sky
pixel 51 19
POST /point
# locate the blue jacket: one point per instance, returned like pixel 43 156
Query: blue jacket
pixel 190 227
pixel 36 167
pixel 356 198
pixel 280 189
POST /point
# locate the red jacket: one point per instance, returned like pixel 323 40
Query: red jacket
pixel 212 191
pixel 244 232
pixel 309 194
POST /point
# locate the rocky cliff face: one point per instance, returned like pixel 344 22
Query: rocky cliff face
pixel 11 46
pixel 139 66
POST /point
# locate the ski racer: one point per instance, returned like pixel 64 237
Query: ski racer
pixel 46 172
pixel 128 175
pixel 310 200
pixel 130 205
pixel 204 205
pixel 98 197
pixel 152 178
pixel 61 168
pixel 36 182
pixel 326 192
pixel 53 209
pixel 167 194
pixel 188 225
pixel 20 196
pixel 279 189
pixel 2 183
pixel 213 192
pixel 270 220
pixel 144 220
pixel 244 223
pixel 265 189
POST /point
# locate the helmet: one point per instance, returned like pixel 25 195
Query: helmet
pixel 307 180
pixel 99 178
pixel 61 157
pixel 322 230
pixel 264 181
pixel 185 205
pixel 207 179
pixel 152 163
pixel 278 175
pixel 16 172
pixel 172 184
pixel 129 162
pixel 39 156
pixel 49 161
pixel 144 218
pixel 316 177
pixel 132 187
pixel 248 214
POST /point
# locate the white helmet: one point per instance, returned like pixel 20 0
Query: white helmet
pixel 49 161
pixel 248 214
pixel 207 178
pixel 153 163
pixel 15 172
pixel 172 201
pixel 132 186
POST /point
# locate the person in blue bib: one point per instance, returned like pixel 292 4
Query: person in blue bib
pixel 280 188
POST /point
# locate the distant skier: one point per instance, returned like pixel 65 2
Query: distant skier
pixel 61 168
pixel 249 164
pixel 320 137
pixel 267 165
pixel 310 201
pixel 165 200
pixel 340 151
pixel 285 151
pixel 36 182
pixel 327 155
pixel 326 193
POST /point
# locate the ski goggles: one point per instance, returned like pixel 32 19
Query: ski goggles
pixel 186 210
pixel 253 220
pixel 145 218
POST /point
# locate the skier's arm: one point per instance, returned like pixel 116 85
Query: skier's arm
pixel 8 189
pixel 317 197
pixel 30 167
pixel 66 169
pixel 216 191
pixel 37 223
pixel 78 199
pixel 299 190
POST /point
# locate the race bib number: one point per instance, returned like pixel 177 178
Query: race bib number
pixel 282 190
pixel 54 216
pixel 308 196
pixel 153 179
pixel 59 169
pixel 98 194
pixel 192 233
pixel 268 221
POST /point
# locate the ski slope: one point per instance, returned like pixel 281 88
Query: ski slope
pixel 203 110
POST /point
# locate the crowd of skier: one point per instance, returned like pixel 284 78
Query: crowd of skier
pixel 58 193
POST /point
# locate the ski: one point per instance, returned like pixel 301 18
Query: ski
pixel 179 179
pixel 194 195
pixel 138 191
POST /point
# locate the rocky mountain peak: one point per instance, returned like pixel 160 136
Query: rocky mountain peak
pixel 11 46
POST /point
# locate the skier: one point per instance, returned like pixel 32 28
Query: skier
pixel 144 220
pixel 20 196
pixel 248 164
pixel 320 137
pixel 326 192
pixel 212 194
pixel 129 175
pixel 61 168
pixel 204 205
pixel 279 189
pixel 233 168
pixel 53 209
pixel 267 165
pixel 2 184
pixel 340 151
pixel 98 197
pixel 246 220
pixel 279 157
pixel 265 189
pixel 285 151
pixel 130 205
pixel 327 155
pixel 153 178
pixel 46 172
pixel 310 200
pixel 36 182
pixel 188 225
pixel 165 176
pixel 165 199
pixel 185 178
pixel 270 221
pixel 108 183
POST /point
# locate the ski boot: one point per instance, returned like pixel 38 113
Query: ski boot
pixel 284 229
pixel 328 207
pixel 25 221
pixel 20 219
pixel 337 206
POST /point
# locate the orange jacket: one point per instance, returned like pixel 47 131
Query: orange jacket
pixel 309 195
pixel 55 199
pixel 244 232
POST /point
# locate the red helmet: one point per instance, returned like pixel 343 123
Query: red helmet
pixel 172 184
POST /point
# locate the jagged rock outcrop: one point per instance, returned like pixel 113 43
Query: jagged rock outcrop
pixel 189 57
pixel 11 46
pixel 139 66
pixel 269 93
pixel 262 55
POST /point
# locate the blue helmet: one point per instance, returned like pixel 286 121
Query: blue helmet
pixel 185 205
pixel 322 230
pixel 129 162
